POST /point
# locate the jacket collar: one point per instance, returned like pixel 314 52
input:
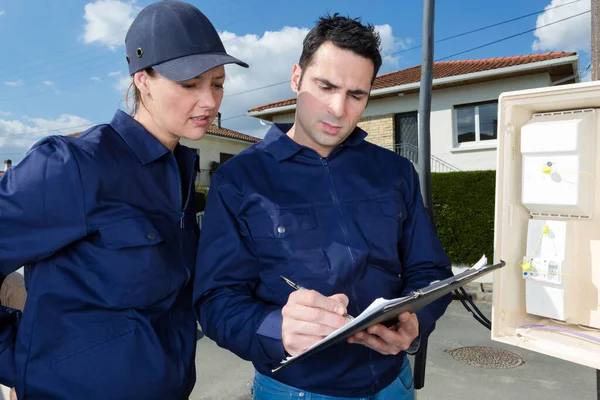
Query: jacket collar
pixel 146 147
pixel 282 147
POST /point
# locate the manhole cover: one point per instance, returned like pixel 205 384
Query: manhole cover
pixel 486 357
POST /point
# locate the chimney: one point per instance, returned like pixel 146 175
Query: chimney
pixel 217 122
pixel 7 164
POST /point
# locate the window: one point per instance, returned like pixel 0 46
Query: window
pixel 223 157
pixel 476 124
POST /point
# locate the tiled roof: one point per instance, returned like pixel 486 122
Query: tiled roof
pixel 228 133
pixel 442 69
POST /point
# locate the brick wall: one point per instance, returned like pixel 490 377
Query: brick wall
pixel 380 130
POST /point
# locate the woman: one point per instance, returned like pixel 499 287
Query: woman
pixel 105 222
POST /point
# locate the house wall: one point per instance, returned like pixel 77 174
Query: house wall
pixel 378 119
pixel 380 129
pixel 210 148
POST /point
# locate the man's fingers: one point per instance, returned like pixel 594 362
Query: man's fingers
pixel 398 339
pixel 299 327
pixel 295 344
pixel 375 343
pixel 405 316
pixel 342 299
pixel 312 298
pixel 320 316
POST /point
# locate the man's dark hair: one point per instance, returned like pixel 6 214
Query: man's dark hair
pixel 345 33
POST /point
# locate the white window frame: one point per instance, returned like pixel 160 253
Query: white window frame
pixel 477 144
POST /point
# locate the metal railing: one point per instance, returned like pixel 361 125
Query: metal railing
pixel 203 177
pixel 200 219
pixel 411 152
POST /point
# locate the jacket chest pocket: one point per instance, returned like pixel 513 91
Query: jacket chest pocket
pixel 288 242
pixel 135 258
pixel 380 225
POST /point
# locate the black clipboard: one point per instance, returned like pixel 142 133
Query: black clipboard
pixel 387 311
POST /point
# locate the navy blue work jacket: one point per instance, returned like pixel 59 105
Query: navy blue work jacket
pixel 105 224
pixel 352 223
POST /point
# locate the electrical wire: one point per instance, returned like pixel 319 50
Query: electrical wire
pixel 476 314
pixel 487 27
pixel 580 335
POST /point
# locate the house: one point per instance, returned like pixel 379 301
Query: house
pixel 7 165
pixel 217 146
pixel 464 106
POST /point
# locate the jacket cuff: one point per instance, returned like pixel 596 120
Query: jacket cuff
pixel 269 335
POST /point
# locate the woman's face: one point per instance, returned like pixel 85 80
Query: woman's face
pixel 181 109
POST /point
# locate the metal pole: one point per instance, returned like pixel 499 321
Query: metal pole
pixel 595 40
pixel 424 155
pixel 424 160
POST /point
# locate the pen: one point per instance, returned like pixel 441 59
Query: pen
pixel 298 287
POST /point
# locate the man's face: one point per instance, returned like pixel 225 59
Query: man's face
pixel 332 96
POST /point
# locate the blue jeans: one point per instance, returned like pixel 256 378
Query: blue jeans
pixel 402 388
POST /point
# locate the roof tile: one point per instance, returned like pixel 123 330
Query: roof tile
pixel 441 69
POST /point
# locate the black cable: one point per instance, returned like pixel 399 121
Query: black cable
pixel 475 308
pixel 474 315
pixel 460 296
pixel 511 36
pixel 486 27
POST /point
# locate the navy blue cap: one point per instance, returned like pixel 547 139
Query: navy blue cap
pixel 175 39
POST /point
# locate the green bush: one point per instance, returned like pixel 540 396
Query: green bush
pixel 463 208
pixel 200 197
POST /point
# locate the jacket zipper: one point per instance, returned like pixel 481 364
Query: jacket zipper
pixel 338 207
pixel 182 208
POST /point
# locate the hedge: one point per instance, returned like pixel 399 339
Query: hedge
pixel 463 209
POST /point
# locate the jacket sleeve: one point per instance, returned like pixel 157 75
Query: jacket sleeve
pixel 225 279
pixel 41 211
pixel 423 257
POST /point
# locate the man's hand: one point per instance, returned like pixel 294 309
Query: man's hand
pixel 391 340
pixel 308 317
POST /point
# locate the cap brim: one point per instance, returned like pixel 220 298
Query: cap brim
pixel 188 67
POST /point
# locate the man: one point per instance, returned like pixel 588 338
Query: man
pixel 318 204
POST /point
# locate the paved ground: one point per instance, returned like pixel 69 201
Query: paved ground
pixel 222 376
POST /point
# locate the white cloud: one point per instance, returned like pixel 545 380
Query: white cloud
pixel 390 45
pixel 48 83
pixel 96 79
pixel 2 12
pixel 18 82
pixel 121 81
pixel 571 35
pixel 19 135
pixel 107 21
pixel 271 58
pixel 5 114
pixel 122 84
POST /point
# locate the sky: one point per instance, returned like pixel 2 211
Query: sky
pixel 63 68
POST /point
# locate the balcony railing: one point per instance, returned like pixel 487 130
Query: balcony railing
pixel 411 152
